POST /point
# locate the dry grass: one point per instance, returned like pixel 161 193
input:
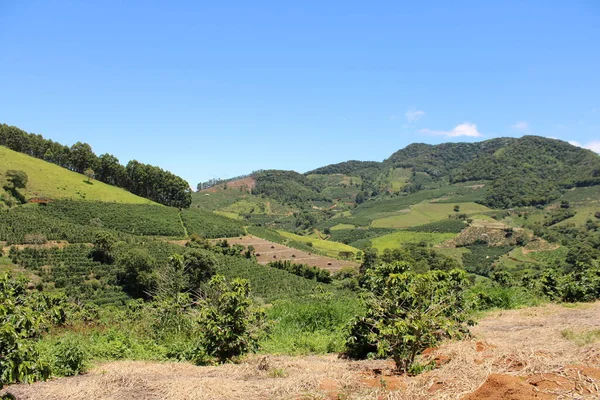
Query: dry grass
pixel 519 354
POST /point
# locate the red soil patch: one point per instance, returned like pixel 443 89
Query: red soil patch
pixel 245 183
pixel 507 387
pixel 547 382
pixel 590 372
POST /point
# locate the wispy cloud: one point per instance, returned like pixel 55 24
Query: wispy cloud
pixel 521 126
pixel 464 129
pixel 594 145
pixel 413 115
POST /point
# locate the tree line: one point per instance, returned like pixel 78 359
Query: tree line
pixel 141 179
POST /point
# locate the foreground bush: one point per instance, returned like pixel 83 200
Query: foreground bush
pixel 24 317
pixel 408 312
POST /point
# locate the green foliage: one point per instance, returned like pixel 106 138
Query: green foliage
pixel 303 270
pixel 70 357
pixel 583 284
pixel 231 324
pixel 18 179
pixel 408 312
pixel 350 236
pixel 24 316
pixel 420 258
pixel 313 324
pixel 72 269
pixel 288 187
pixel 138 219
pixel 16 224
pixel 450 225
pixel 481 257
pixel 210 225
pixel 145 180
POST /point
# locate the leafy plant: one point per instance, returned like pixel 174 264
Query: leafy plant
pixel 231 325
pixel 408 312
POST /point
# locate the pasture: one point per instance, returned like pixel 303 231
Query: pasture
pixel 51 181
pixel 426 212
pixel 398 239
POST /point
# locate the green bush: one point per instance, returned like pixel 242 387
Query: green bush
pixel 70 357
pixel 231 325
pixel 24 317
pixel 408 312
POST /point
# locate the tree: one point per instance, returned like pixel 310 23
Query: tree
pixel 457 208
pixel 231 325
pixel 136 267
pixel 408 312
pixel 89 173
pixel 200 266
pixel 18 179
pixel 82 157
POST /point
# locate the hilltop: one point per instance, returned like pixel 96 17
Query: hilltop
pixel 47 180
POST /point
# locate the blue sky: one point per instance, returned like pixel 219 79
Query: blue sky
pixel 216 89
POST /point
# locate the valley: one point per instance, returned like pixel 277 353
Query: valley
pixel 432 274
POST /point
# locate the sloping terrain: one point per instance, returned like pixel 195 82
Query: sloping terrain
pixel 51 181
pixel 267 251
pixel 532 353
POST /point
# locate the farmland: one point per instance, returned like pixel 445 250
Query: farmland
pixel 427 212
pixel 267 251
pixel 400 238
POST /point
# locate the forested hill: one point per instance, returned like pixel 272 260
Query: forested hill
pixel 141 179
pixel 525 171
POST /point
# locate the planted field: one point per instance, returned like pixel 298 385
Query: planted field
pixel 481 258
pixel 210 225
pixel 400 238
pixel 426 212
pixel 327 247
pixel 582 215
pixel 139 219
pixel 399 177
pixel 267 251
pixel 51 181
pixel 31 225
pixel 444 226
pixel 71 268
pixel 340 227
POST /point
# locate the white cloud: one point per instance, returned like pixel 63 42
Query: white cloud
pixel 413 115
pixel 521 126
pixel 464 129
pixel 594 145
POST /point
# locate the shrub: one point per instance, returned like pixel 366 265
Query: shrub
pixel 70 357
pixel 408 312
pixel 23 318
pixel 231 325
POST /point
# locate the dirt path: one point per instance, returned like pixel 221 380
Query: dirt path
pixel 514 355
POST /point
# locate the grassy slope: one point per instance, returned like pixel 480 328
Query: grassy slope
pixel 328 247
pixel 426 212
pixel 397 239
pixel 49 180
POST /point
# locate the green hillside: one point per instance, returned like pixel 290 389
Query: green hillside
pixel 51 181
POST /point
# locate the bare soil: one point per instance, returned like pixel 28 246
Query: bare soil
pixel 513 355
pixel 267 251
pixel 245 183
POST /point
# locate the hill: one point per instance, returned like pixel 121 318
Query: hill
pixel 51 181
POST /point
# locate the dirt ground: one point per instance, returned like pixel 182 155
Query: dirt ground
pixel 268 251
pixel 247 183
pixel 514 355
